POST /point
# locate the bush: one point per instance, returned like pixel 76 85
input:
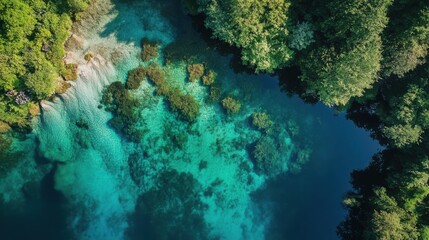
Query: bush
pixel 231 105
pixel 62 87
pixel 262 121
pixel 195 72
pixel 70 72
pixel 150 49
pixel 4 127
pixel 135 77
pixel 209 78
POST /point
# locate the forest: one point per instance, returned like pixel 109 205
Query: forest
pixel 365 57
pixel 368 58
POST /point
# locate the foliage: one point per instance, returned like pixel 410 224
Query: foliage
pixel 150 49
pixel 32 35
pixel 231 105
pixel 403 135
pixel 209 78
pixel 406 38
pixel 301 36
pixel 258 27
pixel 401 120
pixel 347 64
pixel 70 71
pixel 262 120
pixel 4 127
pixel 195 72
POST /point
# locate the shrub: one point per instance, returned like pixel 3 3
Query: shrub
pixel 195 72
pixel 209 78
pixel 262 121
pixel 150 49
pixel 88 57
pixel 70 72
pixel 135 77
pixel 302 36
pixel 62 87
pixel 4 127
pixel 231 105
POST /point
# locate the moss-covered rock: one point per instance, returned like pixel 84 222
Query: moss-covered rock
pixel 195 72
pixel 209 78
pixel 150 49
pixel 231 105
pixel 62 87
pixel 262 121
pixel 88 57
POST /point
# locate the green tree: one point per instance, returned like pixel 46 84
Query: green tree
pixel 348 62
pixel 406 38
pixel 258 27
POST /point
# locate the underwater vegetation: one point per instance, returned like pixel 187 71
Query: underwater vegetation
pixel 149 49
pixel 119 101
pixel 195 71
pixel 172 209
pixel 209 77
pixel 262 121
pixel 135 77
pixel 231 105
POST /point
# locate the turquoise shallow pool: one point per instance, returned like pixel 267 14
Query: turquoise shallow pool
pixel 79 178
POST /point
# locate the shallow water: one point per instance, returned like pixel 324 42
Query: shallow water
pixel 92 183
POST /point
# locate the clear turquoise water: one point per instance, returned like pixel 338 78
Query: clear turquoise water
pixel 91 183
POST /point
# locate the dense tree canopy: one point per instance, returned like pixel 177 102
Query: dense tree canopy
pixel 258 27
pixel 32 36
pixel 347 62
pixel 406 39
